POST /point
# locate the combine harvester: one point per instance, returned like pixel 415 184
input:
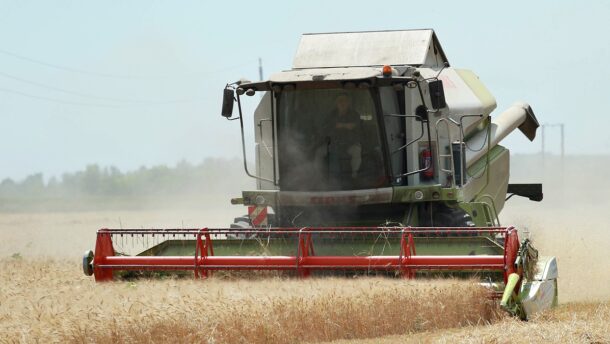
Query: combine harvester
pixel 373 156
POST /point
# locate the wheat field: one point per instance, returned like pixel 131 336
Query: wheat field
pixel 51 302
pixel 44 297
pixel 587 322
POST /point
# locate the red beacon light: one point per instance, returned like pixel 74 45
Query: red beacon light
pixel 387 70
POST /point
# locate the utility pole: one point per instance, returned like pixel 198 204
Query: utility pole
pixel 542 139
pixel 561 127
pixel 260 69
pixel 562 142
pixel 260 74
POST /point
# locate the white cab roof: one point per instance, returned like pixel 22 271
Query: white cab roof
pixel 369 48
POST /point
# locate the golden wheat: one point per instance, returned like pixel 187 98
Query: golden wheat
pixel 51 301
pixel 46 301
pixel 569 323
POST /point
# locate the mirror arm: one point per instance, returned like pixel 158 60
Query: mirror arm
pixel 243 144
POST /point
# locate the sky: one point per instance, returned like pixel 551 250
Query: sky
pixel 139 83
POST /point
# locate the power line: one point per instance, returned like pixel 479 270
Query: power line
pixel 23 94
pixel 64 68
pixel 86 95
pixel 116 76
pixel 61 101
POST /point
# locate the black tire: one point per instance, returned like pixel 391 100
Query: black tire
pixel 241 219
pixel 445 216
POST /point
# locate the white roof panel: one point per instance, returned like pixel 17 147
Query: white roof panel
pixel 326 74
pixel 371 48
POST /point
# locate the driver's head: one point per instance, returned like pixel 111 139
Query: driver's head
pixel 343 103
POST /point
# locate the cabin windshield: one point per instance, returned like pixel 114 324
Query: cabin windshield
pixel 329 139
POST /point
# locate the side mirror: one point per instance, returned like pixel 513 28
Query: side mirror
pixel 437 94
pixel 228 98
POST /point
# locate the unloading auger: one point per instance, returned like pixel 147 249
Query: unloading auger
pixel 373 156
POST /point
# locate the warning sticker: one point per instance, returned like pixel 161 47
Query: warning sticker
pixel 258 215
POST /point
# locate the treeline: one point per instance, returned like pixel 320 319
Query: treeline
pixel 212 176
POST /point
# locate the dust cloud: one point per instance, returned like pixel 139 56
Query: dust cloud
pixel 63 224
pixel 571 223
pixel 63 235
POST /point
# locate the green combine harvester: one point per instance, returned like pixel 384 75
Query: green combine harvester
pixel 373 156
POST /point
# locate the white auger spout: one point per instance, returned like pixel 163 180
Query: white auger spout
pixel 519 115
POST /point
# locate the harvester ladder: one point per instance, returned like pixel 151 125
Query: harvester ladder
pixel 443 159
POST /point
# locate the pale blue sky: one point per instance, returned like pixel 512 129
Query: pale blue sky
pixel 141 81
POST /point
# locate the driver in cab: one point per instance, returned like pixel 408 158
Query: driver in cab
pixel 343 133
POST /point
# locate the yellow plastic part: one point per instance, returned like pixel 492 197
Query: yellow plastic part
pixel 513 279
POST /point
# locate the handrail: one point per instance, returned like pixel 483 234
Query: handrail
pixel 492 208
pixel 243 146
pixel 404 147
pixel 460 126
